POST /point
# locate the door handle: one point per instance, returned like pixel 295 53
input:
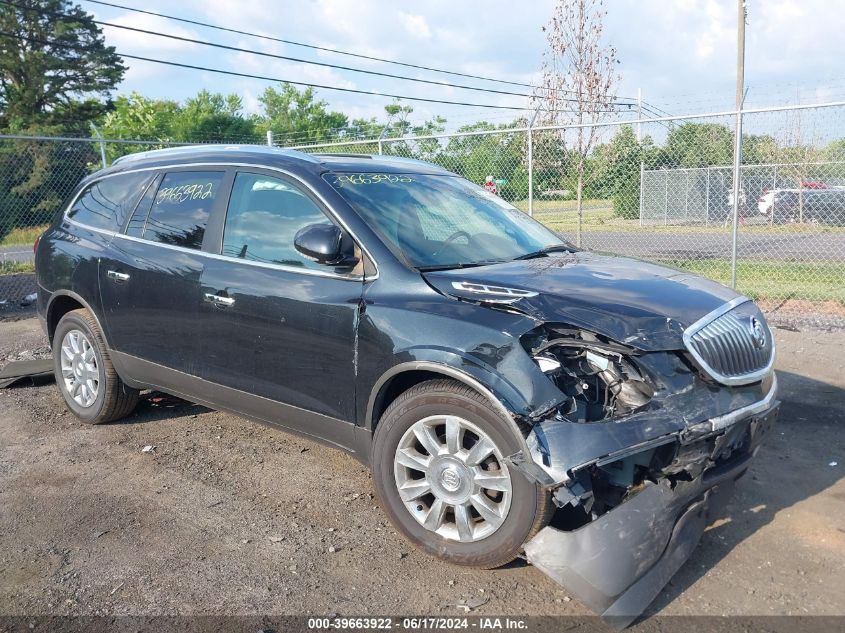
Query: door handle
pixel 117 276
pixel 217 300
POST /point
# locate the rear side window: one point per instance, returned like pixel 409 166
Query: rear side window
pixel 106 203
pixel 264 215
pixel 181 208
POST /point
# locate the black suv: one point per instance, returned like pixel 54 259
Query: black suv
pixel 490 373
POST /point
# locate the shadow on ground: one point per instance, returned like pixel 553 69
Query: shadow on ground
pixel 792 466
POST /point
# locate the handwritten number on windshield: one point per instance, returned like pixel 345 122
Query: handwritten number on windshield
pixel 370 179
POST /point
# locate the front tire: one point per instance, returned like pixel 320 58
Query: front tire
pixel 440 473
pixel 87 380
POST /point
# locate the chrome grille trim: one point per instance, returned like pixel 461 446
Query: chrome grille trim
pixel 722 345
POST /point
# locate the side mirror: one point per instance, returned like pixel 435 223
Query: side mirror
pixel 325 244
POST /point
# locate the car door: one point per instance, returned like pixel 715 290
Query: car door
pixel 150 279
pixel 279 330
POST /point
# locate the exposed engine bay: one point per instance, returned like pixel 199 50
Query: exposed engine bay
pixel 598 376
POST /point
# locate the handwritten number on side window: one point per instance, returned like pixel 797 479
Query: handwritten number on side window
pixel 177 195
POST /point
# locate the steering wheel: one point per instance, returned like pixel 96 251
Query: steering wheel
pixel 451 239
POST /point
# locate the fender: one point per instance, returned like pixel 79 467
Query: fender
pixel 78 298
pixel 504 397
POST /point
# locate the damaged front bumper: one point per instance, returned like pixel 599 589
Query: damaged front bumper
pixel 618 561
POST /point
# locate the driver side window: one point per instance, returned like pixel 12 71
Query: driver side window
pixel 264 215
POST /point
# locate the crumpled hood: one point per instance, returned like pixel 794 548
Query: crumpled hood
pixel 643 305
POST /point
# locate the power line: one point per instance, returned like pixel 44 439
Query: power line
pixel 265 54
pixel 336 51
pixel 311 46
pixel 283 57
pixel 264 77
pixel 650 106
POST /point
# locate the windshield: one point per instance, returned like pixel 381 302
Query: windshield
pixel 441 221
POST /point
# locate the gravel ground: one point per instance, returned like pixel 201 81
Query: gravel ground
pixel 229 517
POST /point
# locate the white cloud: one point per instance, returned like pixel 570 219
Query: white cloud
pixel 146 45
pixel 681 53
pixel 416 25
pixel 128 41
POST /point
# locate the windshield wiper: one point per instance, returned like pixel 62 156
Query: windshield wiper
pixel 551 248
pixel 436 267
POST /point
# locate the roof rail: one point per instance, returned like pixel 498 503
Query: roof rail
pixel 384 157
pixel 193 149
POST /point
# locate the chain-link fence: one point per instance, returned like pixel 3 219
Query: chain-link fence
pixel 768 194
pixel 660 189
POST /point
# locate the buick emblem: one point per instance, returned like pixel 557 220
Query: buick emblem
pixel 450 479
pixel 758 333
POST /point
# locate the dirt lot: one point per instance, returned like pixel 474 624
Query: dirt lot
pixel 229 517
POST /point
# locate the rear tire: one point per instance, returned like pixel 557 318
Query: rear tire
pixel 87 380
pixel 443 482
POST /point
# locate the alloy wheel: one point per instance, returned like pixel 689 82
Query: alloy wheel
pixel 452 478
pixel 80 372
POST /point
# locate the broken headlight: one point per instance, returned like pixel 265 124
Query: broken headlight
pixel 600 377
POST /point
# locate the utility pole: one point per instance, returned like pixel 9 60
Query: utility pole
pixel 639 148
pixel 531 161
pixel 740 52
pixel 740 94
pixel 639 115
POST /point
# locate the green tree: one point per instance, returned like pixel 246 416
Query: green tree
pixel 698 145
pixel 623 156
pixel 57 70
pixel 56 74
pixel 500 155
pixel 759 149
pixel 296 115
pixel 835 150
pixel 213 117
pixel 138 118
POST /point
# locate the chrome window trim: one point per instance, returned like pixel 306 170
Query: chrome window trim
pixel 88 227
pixel 225 165
pixel 235 260
pixel 731 381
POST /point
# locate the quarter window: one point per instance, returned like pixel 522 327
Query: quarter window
pixel 264 215
pixel 181 208
pixel 106 203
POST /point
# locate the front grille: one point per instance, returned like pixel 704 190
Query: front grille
pixel 733 344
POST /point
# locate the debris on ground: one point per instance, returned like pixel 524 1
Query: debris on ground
pixel 469 604
pixel 833 464
pixel 35 371
pixel 149 448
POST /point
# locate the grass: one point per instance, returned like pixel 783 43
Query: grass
pixel 10 268
pixel 597 215
pixel 775 281
pixel 21 237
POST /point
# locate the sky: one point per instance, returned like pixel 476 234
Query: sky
pixel 680 54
